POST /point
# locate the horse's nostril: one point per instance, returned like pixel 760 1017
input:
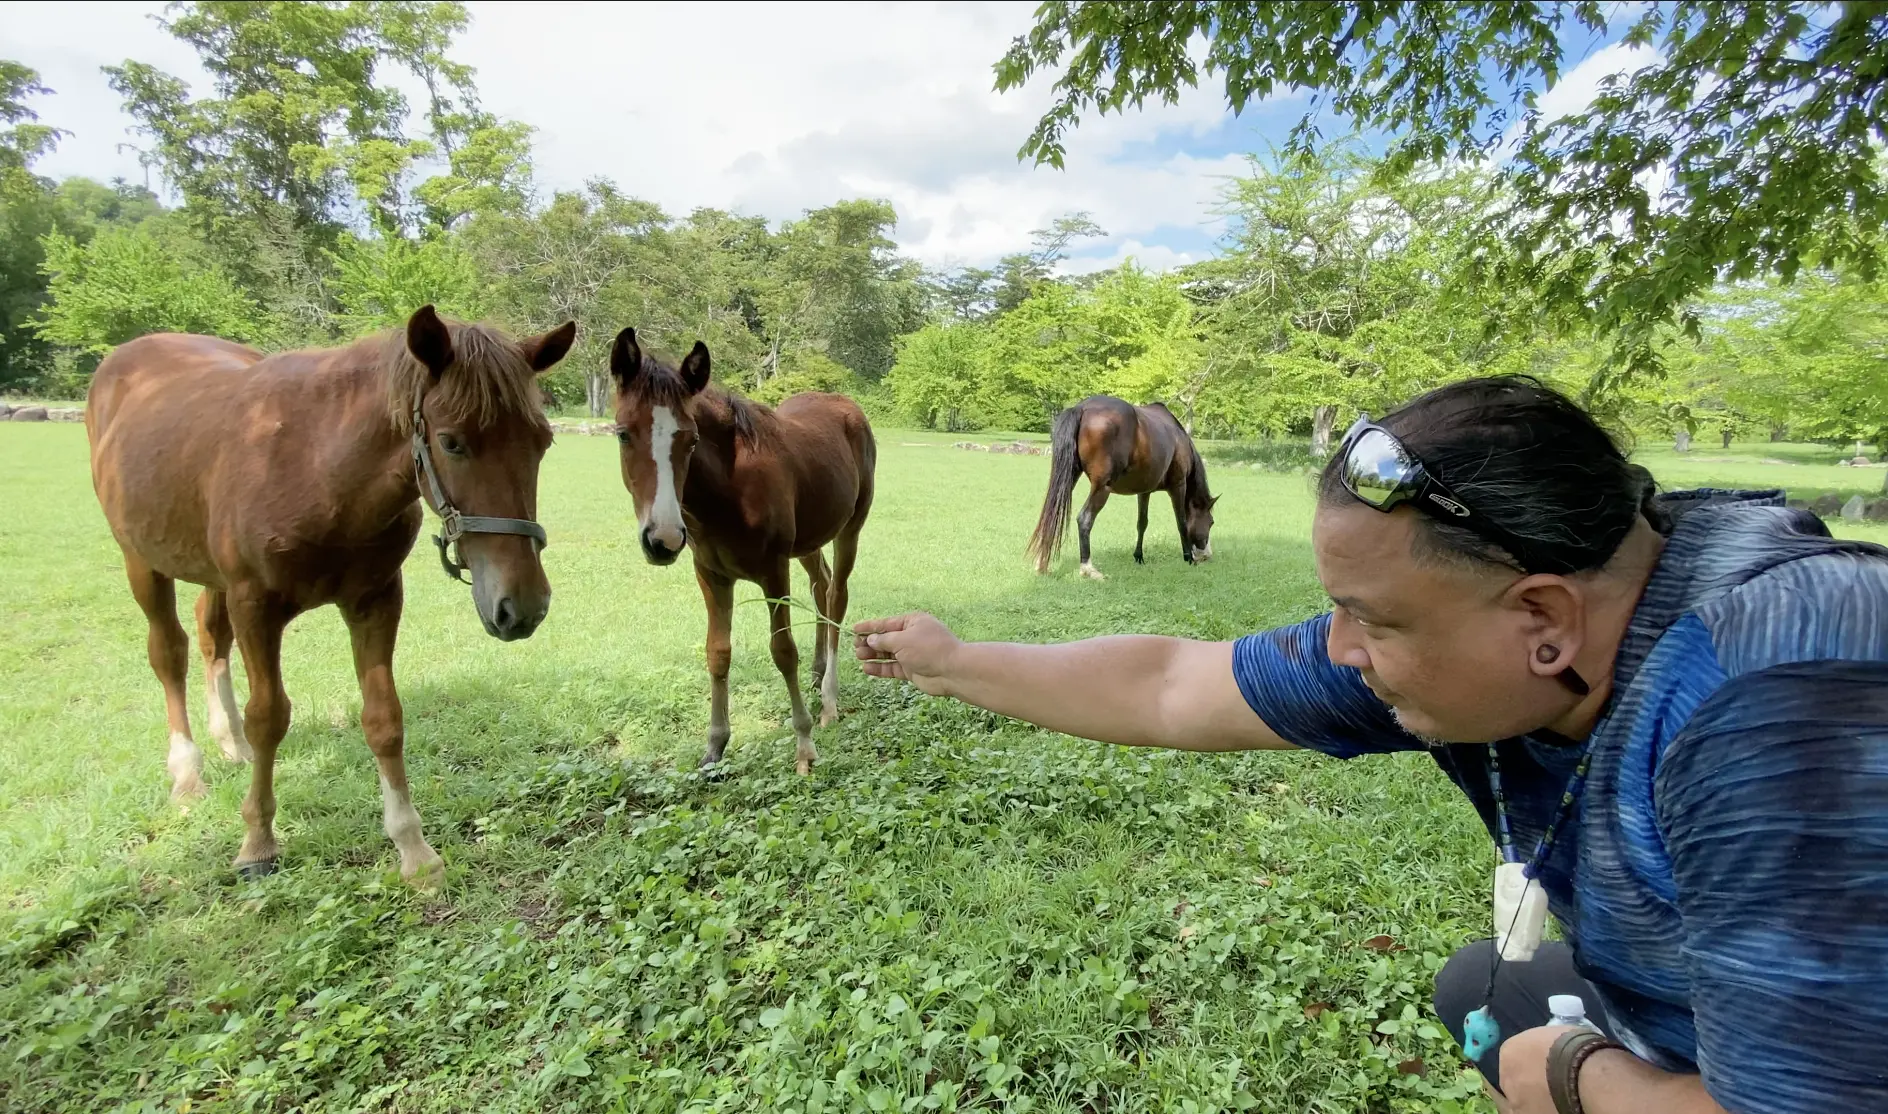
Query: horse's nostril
pixel 505 615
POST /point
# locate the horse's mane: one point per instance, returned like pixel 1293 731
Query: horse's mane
pixel 489 379
pixel 1198 495
pixel 752 421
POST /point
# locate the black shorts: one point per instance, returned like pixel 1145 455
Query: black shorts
pixel 1521 993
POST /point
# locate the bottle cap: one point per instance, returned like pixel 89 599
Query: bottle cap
pixel 1566 1005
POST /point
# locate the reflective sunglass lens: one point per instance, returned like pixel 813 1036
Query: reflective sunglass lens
pixel 1376 467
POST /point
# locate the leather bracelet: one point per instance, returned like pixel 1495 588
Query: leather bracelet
pixel 1564 1059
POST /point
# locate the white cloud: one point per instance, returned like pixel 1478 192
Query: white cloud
pixel 764 108
pixel 67 43
pixel 794 107
pixel 1148 257
pixel 1577 87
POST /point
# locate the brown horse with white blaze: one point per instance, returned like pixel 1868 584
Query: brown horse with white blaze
pixel 286 482
pixel 747 488
pixel 1127 450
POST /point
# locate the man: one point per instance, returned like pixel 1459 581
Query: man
pixel 1671 712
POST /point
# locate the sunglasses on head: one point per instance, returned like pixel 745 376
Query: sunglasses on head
pixel 1383 474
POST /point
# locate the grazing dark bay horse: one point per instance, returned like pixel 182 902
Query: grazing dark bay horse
pixel 1128 450
pixel 747 488
pixel 282 483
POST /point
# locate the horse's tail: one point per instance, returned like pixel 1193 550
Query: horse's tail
pixel 1065 467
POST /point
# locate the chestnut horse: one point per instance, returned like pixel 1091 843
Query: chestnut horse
pixel 282 483
pixel 1128 450
pixel 746 488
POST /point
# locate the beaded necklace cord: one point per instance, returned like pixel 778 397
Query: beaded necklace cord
pixel 1480 1030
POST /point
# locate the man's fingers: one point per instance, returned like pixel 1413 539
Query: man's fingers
pixel 880 626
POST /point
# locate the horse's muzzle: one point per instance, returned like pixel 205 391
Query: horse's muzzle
pixel 658 551
pixel 511 623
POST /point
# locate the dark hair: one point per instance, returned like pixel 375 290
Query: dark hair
pixel 1530 460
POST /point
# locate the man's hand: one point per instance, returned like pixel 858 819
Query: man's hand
pixel 1611 1081
pixel 913 647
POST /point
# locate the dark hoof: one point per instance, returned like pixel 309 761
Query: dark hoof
pixel 255 872
pixel 1139 560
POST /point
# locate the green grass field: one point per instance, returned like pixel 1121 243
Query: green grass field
pixel 953 912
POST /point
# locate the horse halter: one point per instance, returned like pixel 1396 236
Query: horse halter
pixel 453 524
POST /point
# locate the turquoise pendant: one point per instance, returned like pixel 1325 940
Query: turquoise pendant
pixel 1480 1032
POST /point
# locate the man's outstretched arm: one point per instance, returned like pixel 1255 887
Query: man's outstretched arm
pixel 1137 690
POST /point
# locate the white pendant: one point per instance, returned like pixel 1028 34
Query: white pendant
pixel 1520 913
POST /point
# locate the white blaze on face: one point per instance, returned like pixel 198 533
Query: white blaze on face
pixel 664 522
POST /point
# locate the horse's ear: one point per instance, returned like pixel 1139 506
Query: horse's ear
pixel 695 368
pixel 542 352
pixel 1213 502
pixel 429 341
pixel 625 357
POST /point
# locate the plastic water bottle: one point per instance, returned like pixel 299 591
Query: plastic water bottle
pixel 1570 1011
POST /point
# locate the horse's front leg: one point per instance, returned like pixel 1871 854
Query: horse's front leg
pixel 776 586
pixel 1179 497
pixel 258 621
pixel 1140 531
pixel 717 592
pixel 1085 521
pixel 373 624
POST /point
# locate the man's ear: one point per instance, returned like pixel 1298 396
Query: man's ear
pixel 1556 621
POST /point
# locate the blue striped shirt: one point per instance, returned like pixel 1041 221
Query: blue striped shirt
pixel 1724 880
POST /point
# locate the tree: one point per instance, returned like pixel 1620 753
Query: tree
pixel 1037 359
pixel 380 282
pixel 1333 295
pixel 300 118
pixel 936 375
pixel 1018 274
pixel 1813 355
pixel 559 262
pixel 1150 342
pixel 128 281
pixel 23 139
pixel 29 209
pixel 1748 145
pixel 841 287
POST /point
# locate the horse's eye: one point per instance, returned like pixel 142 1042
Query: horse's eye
pixel 622 435
pixel 451 444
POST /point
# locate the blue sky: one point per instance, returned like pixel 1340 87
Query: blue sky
pixel 774 109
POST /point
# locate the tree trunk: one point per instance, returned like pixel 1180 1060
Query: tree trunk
pixel 597 391
pixel 1322 419
pixel 1682 442
pixel 1778 433
pixel 1727 438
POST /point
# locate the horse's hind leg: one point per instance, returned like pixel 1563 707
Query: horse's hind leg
pixel 775 587
pixel 215 637
pixel 169 650
pixel 825 663
pixel 373 626
pixel 1097 498
pixel 1140 532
